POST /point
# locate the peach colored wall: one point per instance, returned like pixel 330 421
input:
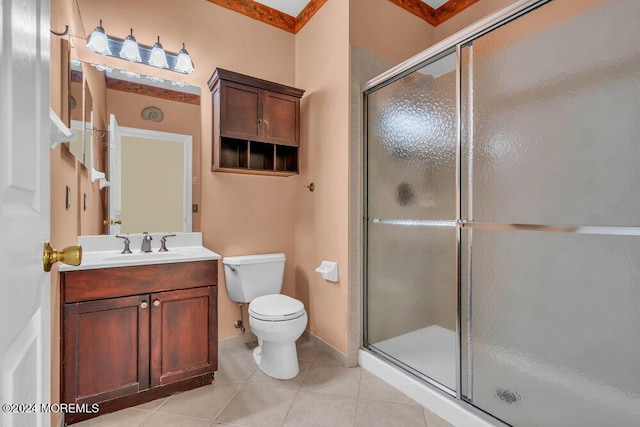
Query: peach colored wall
pixel 468 16
pixel 387 30
pixel 178 118
pixel 322 69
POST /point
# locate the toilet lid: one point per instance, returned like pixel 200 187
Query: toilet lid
pixel 275 308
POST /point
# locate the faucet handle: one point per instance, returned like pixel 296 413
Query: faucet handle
pixel 126 249
pixel 163 242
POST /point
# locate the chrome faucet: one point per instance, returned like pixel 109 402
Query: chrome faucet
pixel 146 242
pixel 163 243
pixel 126 249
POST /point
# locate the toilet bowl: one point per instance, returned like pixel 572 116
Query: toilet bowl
pixel 277 320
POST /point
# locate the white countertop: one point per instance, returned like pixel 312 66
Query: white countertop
pixel 105 251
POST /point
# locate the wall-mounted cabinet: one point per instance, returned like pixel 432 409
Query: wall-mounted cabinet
pixel 256 125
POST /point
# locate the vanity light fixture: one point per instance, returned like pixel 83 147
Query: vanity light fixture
pixel 98 41
pixel 158 57
pixel 184 63
pixel 130 50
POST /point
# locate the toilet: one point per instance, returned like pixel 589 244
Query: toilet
pixel 277 320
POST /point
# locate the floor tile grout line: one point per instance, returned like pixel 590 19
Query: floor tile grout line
pixel 165 401
pixel 145 419
pixel 168 414
pixel 284 421
pixel 297 393
pixel 355 416
pixel 225 406
pixel 424 417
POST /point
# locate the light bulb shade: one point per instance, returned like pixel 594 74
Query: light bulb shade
pixel 98 41
pixel 130 74
pixel 158 57
pixel 130 49
pixel 103 68
pixel 184 63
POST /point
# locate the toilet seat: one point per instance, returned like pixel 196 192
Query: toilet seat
pixel 276 308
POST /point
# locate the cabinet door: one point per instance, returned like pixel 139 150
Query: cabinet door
pixel 281 119
pixel 240 111
pixel 106 349
pixel 184 334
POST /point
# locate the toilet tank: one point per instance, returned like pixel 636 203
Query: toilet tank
pixel 252 276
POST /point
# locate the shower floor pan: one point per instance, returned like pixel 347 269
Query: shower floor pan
pixel 430 350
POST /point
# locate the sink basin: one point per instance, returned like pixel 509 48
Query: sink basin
pixel 176 253
pixel 105 251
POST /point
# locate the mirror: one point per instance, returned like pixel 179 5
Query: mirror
pixel 140 132
pixel 80 107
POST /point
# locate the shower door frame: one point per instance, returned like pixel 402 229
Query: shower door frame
pixel 455 43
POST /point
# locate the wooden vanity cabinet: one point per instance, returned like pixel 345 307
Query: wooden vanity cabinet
pixel 183 344
pixel 134 334
pixel 106 349
pixel 256 125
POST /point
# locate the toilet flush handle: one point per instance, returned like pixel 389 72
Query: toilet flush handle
pixel 232 268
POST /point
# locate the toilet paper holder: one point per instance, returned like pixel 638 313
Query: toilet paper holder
pixel 328 270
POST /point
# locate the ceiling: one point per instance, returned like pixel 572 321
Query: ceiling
pixel 292 15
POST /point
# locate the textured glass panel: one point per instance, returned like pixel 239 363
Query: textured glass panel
pixel 411 287
pixel 554 117
pixel 554 328
pixel 412 145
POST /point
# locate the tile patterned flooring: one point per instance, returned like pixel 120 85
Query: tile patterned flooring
pixel 324 394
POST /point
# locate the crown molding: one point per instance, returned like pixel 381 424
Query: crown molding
pixel 433 16
pixel 156 92
pixel 268 15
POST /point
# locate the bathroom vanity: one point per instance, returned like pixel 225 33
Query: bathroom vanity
pixel 138 326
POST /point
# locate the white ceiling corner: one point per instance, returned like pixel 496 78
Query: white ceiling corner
pixel 290 7
pixel 434 3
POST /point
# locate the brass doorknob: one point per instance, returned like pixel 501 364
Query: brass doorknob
pixel 111 221
pixel 71 255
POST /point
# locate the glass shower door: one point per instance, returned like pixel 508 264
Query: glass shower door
pixel 551 271
pixel 411 236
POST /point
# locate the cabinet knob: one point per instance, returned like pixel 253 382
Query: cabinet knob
pixel 260 122
pixel 266 123
pixel 156 303
pixel 144 304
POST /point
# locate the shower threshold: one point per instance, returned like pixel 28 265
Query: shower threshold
pixel 430 350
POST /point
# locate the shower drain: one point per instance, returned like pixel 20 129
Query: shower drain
pixel 508 396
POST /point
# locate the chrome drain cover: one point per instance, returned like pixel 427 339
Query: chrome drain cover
pixel 508 396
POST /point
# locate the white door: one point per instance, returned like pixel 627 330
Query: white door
pixel 114 174
pixel 24 209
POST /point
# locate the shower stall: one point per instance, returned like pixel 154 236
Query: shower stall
pixel 502 206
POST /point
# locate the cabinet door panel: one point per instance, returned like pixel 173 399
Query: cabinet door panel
pixel 183 334
pixel 106 347
pixel 282 118
pixel 240 109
